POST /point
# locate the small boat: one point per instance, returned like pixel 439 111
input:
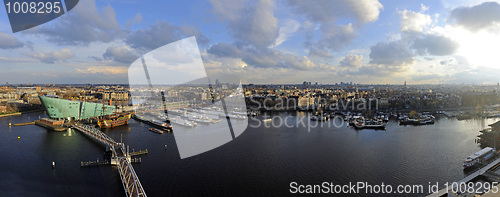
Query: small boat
pixel 156 130
pixel 370 125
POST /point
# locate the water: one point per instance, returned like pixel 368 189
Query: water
pixel 261 161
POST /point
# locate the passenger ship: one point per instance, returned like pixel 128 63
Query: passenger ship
pixel 479 157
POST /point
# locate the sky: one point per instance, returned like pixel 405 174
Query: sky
pixel 265 41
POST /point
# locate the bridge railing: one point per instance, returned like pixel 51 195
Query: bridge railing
pixel 96 133
pixel 130 181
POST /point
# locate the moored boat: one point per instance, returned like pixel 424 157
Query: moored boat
pixel 114 120
pixel 479 157
pixel 156 130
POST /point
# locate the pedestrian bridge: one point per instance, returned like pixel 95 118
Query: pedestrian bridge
pixel 120 157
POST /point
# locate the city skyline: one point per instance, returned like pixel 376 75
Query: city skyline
pixel 286 42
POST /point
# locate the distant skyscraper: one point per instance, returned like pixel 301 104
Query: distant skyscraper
pixel 405 84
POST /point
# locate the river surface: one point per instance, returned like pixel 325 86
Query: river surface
pixel 261 161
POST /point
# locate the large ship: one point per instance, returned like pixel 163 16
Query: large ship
pixel 114 120
pixel 479 157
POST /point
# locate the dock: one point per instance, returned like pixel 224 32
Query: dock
pixel 141 152
pixel 93 163
pixel 482 171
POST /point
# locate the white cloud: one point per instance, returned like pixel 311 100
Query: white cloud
pixel 83 25
pixel 351 61
pixel 289 27
pixel 54 56
pixel 413 21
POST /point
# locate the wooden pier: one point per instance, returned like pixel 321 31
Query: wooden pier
pixel 141 152
pixel 24 123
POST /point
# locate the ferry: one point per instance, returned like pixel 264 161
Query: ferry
pixel 479 157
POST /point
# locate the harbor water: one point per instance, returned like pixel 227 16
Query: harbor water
pixel 261 161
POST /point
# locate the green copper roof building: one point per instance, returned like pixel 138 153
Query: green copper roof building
pixel 76 110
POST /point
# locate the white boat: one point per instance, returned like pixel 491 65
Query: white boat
pixel 479 157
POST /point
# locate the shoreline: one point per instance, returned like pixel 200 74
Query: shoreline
pixel 20 113
pixel 11 114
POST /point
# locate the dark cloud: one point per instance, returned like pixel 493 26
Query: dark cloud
pixel 445 62
pixel 477 17
pixel 122 54
pixel 438 45
pixel 222 49
pixel 54 56
pixel 82 25
pixel 161 33
pixel 9 42
pixel 261 58
pixel 393 53
pixel 362 11
pixel 251 23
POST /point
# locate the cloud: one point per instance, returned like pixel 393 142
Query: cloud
pixel 249 23
pixel 136 20
pixel 289 27
pixel 363 11
pixel 425 77
pixel 222 49
pixel 54 56
pixel 394 53
pixel 336 36
pixel 446 62
pixel 351 61
pixel 271 58
pixel 430 44
pixel 261 58
pixel 9 42
pixel 107 70
pixel 161 33
pixel 122 54
pixel 83 25
pixel 478 17
pixel 315 52
pixel 414 21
